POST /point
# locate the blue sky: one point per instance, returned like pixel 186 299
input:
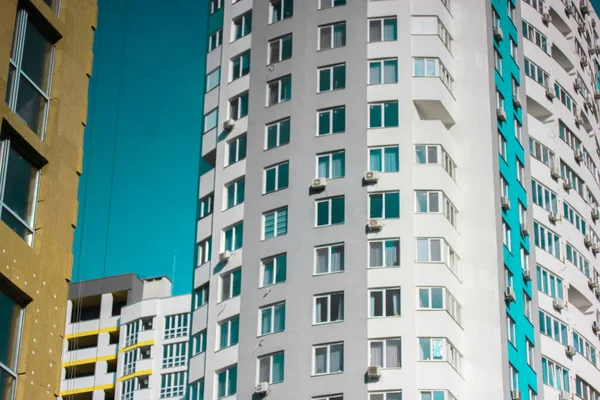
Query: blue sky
pixel 138 191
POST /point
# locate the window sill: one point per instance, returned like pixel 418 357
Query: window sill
pixel 327 323
pixel 271 285
pixel 384 267
pixel 268 334
pixel 385 316
pixel 273 237
pixel 328 273
pixel 327 374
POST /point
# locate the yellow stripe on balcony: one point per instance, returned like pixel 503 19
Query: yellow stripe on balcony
pixel 89 360
pixel 87 389
pixel 135 346
pixel 92 332
pixel 137 373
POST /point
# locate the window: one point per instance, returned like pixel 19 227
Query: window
pixel 275 223
pixel 386 353
pixel 547 240
pixel 530 353
pixel 568 174
pixel 435 154
pixel 568 136
pixel 280 10
pixel 332 78
pixel 199 342
pixel 585 348
pixel 240 66
pixel 278 134
pixel 536 4
pixel 238 106
pixel 215 40
pixel 439 349
pixel 206 206
pixel 430 25
pixel 231 284
pixel 331 120
pixel 393 395
pixel 383 115
pixel 384 253
pixel 519 132
pixel 433 67
pixel 330 211
pixel 511 11
pixel 499 101
pixel 383 72
pixel 273 270
pixel 18 197
pixel 514 377
pixel 520 172
pixel 280 49
pixel 555 375
pixel 429 201
pixel 129 361
pixel 384 159
pixel 574 218
pixel 383 29
pixel 532 34
pixel 173 385
pixel 437 298
pixel 564 97
pixel 211 120
pixel 201 296
pixel 328 358
pixel 197 390
pixel 279 90
pixel 233 236
pixel 536 73
pixel 575 258
pixel 584 390
pixel 332 36
pixel 498 62
pixel 229 332
pixel 29 73
pixel 270 368
pixel 436 395
pixel 331 3
pixel 544 197
pixel 329 259
pixel 502 145
pixel 512 330
pixel 384 205
pixel 553 328
pixel 429 250
pixel 236 150
pixel 331 165
pixel 11 328
pixel 506 236
pixel 277 177
pixel 234 193
pixel 131 333
pixel 329 308
pixel 213 79
pixel 272 319
pixel 176 325
pixel 215 5
pixel 174 354
pixel 541 152
pixel 384 302
pixel 204 250
pixel 227 382
pixel 242 26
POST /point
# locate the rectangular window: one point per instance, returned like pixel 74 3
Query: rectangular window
pixel 578 260
pixel 129 362
pixel 383 72
pixel 272 318
pixel 544 197
pixel 554 328
pixel 234 193
pixel 201 296
pixel 206 205
pixel 215 40
pixel 436 395
pixel 329 259
pixel 332 36
pixel 211 120
pixel 331 165
pixel 174 355
pixel 530 353
pixel 384 205
pixel 227 382
pixel 498 62
pixel 330 211
pixel 11 329
pixel 585 348
pixel 435 154
pixel 30 72
pixel 532 34
pixel 331 120
pixel 386 353
pixel 568 136
pixel 429 201
pixel 384 253
pixel 277 177
pixel 323 4
pixel 520 172
pixel 231 284
pixel 273 270
pixel 279 90
pixel 236 150
pixel 555 375
pixel 568 174
pixel 439 349
pixel 240 66
pixel 204 250
pixel 541 152
pixel 173 385
pixel 278 134
pixel 238 106
pixel 527 306
pixel 197 390
pixel 280 10
pixel 176 325
pixel 502 145
pixel 512 330
pixel 233 237
pixel 546 240
pixel 383 29
pixel 270 368
pixel 519 132
pixel 329 308
pixel 328 358
pixel 229 332
pixel 384 302
pixel 275 223
pixel 430 25
pixel 332 78
pixel 506 236
pixel 242 26
pixel 437 298
pixel 574 218
pixel 391 395
pixel 199 342
pixel 280 49
pixel 213 79
pixel 383 115
pixel 565 98
pixel 433 67
pixel 215 5
pixel 536 73
pixel 384 159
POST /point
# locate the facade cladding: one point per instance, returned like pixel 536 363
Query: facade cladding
pixel 358 234
pixel 45 65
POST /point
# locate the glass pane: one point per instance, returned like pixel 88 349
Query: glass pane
pixel 323 213
pixel 392 205
pixel 375 73
pixel 322 260
pixel 376 254
pixel 36 56
pixel 424 349
pixel 284 132
pixel 279 321
pixel 375 117
pixel 337 210
pixel 391 114
pixel 437 298
pixel 424 298
pixel 31 106
pixel 21 186
pixel 421 202
pixel 391 159
pixel 422 250
pixel 376 354
pixel 278 367
pixel 324 122
pixel 392 302
pixel 434 202
pixel 419 67
pixel 272 137
pixel 283 176
pixel 337 358
pixel 390 71
pixel 10 331
pixel 375 31
pixel 266 321
pixel 321 309
pixel 286 43
pixel 436 250
pixel 325 38
pixel 264 373
pixel 324 80
pixel 339 120
pixel 337 307
pixel 376 206
pixel 376 304
pixel 375 161
pixel 321 360
pixel 9 84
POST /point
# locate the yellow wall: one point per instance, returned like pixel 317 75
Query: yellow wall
pixel 42 272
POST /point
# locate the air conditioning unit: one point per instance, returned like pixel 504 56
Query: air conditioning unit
pixel 584 7
pixel 588 240
pixel 577 84
pixel 595 214
pixel 550 93
pixel 592 283
pixel 570 351
pixel 584 62
pixel 589 101
pixel 225 256
pixel 559 304
pixel 526 275
pixel 375 224
pixel 505 203
pixel 498 34
pixel 228 124
pixel 371 177
pixel 596 327
pixel 515 395
pixel 524 230
pixel 567 185
pixel 578 121
pixel 553 217
pixel 581 27
pixel 555 172
pixel 564 395
pixel 374 371
pixel 509 295
pixel 578 156
pixel 546 18
pixel 569 9
pixel 262 388
pixel 596 248
pixel 516 101
pixel 319 183
pixel 501 114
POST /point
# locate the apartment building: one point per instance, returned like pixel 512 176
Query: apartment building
pixel 126 338
pixel 45 64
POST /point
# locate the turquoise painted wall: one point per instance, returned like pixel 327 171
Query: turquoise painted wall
pixel 138 191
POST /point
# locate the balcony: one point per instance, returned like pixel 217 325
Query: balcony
pixel 209 147
pixel 433 100
pixel 561 58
